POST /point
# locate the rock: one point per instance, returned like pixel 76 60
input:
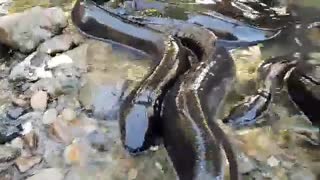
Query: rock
pixel 79 56
pixel 76 153
pixel 272 161
pixel 31 68
pixel 57 44
pixel 15 112
pixel 67 101
pixel 49 116
pixel 132 174
pixel 68 114
pixel 20 31
pixel 68 76
pixel 31 140
pixel 304 174
pixel 98 140
pixel 48 174
pixel 58 60
pixel 19 102
pixel 7 156
pixel 4 6
pixel 39 101
pixel 247 164
pixel 61 131
pixel 17 143
pixel 8 129
pixel 4 50
pixel 26 163
pixel 50 85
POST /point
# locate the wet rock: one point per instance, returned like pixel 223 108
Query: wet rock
pixel 68 114
pixel 39 100
pixel 51 85
pixel 15 112
pixel 49 116
pixel 58 60
pixel 31 68
pixel 76 153
pixel 26 163
pixel 20 31
pixel 7 156
pixel 57 44
pixel 98 140
pixel 68 76
pixel 304 174
pixel 48 174
pixel 67 101
pixel 79 56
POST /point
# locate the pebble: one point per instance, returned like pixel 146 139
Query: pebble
pixel 39 101
pixel 272 161
pixel 68 114
pixel 76 153
pixel 61 131
pixel 49 116
pixel 48 174
pixel 26 163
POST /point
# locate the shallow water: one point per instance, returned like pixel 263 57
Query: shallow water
pixel 276 139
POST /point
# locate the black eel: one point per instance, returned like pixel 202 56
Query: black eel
pixel 140 112
pixel 272 72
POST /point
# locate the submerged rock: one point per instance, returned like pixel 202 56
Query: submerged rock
pixel 48 174
pixel 21 31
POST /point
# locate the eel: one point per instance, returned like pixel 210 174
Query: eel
pixel 140 115
pixel 251 108
pixel 191 136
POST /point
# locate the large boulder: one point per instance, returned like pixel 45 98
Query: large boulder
pixel 25 31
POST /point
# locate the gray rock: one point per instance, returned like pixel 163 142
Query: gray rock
pixel 48 174
pixel 31 68
pixel 57 44
pixel 8 129
pixel 79 56
pixel 15 112
pixel 59 60
pixel 21 31
pixel 49 116
pixel 39 101
pixel 7 156
pixel 68 76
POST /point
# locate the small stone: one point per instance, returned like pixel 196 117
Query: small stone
pixel 59 60
pixel 68 114
pixel 39 101
pixel 247 164
pixel 132 174
pixel 49 116
pixel 48 174
pixel 272 161
pixel 26 163
pixel 15 112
